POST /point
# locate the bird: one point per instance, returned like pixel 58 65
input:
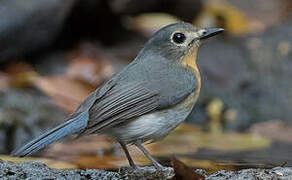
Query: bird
pixel 144 101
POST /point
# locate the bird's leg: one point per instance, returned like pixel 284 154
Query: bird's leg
pixel 148 155
pixel 131 162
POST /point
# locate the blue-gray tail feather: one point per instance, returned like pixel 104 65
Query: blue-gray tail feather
pixel 69 127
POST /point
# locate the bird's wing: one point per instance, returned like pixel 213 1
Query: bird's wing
pixel 75 123
pixel 119 104
pixel 93 97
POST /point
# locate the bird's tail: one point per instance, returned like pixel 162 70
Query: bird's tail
pixel 69 127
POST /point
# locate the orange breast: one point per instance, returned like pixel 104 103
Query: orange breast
pixel 190 60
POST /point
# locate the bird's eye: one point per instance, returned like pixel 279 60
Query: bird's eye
pixel 179 38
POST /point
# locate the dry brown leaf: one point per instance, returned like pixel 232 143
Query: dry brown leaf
pixel 286 6
pixel 19 67
pixel 149 23
pixel 183 172
pixel 90 70
pixel 65 92
pixel 22 79
pixel 88 145
pixel 20 74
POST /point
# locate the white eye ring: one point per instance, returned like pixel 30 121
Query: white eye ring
pixel 178 41
pixel 179 37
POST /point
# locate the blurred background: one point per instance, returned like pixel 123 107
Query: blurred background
pixel 53 53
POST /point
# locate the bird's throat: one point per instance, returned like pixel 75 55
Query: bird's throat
pixel 190 60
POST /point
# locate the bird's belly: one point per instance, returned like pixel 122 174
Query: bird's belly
pixel 155 125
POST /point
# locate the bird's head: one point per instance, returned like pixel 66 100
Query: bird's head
pixel 179 42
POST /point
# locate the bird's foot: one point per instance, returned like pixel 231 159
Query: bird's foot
pixel 158 166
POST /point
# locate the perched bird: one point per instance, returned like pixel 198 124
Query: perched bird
pixel 146 100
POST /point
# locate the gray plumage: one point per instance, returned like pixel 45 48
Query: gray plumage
pixel 144 101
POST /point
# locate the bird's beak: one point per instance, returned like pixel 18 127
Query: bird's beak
pixel 209 32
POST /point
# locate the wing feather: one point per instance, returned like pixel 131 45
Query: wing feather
pixel 120 104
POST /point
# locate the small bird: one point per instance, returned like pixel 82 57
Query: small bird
pixel 146 100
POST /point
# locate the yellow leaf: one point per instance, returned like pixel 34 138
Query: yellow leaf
pixel 220 13
pixel 149 23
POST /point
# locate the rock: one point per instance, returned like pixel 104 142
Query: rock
pixel 146 172
pixel 36 170
pixel 30 25
pixel 279 173
pixel 23 116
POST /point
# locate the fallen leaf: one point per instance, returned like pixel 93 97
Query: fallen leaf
pixel 183 172
pixel 286 7
pixel 90 70
pixel 149 23
pixel 65 92
pixel 17 67
pixel 20 74
pixel 22 79
pixel 223 14
pixel 87 145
